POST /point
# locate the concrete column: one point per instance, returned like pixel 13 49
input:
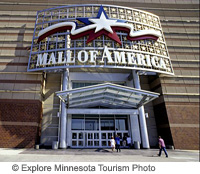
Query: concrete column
pixel 142 119
pixel 63 117
pixel 69 130
pixel 135 129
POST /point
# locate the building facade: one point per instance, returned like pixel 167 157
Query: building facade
pixel 84 106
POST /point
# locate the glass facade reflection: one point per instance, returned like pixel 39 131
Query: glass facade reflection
pixel 112 122
pixel 97 130
pixel 91 124
pixel 78 124
pixel 107 125
pixel 121 124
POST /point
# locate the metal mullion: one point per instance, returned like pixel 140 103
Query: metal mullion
pixel 133 100
pixel 88 88
pixel 115 98
pixel 84 122
pixel 100 144
pixel 118 104
pixel 118 93
pixel 135 96
pixel 124 93
pixel 88 101
pixel 85 105
pixel 130 106
pixel 142 101
pixel 109 90
pixel 109 85
pixel 129 89
pixel 84 97
pixel 88 93
pixel 114 93
pixel 151 98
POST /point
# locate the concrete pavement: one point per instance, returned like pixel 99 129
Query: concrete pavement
pixel 95 155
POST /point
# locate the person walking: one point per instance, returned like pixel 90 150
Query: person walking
pixel 117 141
pixel 162 146
pixel 129 141
pixel 124 141
pixel 112 143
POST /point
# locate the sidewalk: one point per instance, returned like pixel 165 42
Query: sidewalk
pixel 95 155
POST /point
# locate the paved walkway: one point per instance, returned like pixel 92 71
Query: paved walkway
pixel 95 155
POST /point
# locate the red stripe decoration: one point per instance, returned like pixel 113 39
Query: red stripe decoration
pixel 93 35
pixel 53 31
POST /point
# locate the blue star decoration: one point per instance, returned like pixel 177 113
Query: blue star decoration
pixel 103 27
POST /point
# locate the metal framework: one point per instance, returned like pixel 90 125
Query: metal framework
pixel 107 95
pixel 140 20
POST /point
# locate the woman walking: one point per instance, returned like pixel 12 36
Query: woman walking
pixel 112 143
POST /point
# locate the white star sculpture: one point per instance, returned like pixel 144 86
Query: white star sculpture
pixel 103 23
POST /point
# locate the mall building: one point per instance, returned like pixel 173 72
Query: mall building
pixel 78 74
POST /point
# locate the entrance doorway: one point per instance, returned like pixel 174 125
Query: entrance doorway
pixel 93 131
pixel 94 139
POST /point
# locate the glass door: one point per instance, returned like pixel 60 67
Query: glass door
pixel 89 139
pixel 96 139
pixel 105 138
pixel 93 131
pixel 122 134
pixel 92 139
pixel 78 139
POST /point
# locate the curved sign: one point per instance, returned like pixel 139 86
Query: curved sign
pixel 98 36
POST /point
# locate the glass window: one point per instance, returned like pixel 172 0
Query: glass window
pixel 90 135
pixel 121 124
pixel 82 84
pixel 103 135
pixel 107 125
pixel 77 124
pixel 74 143
pixel 104 143
pixel 120 135
pixel 110 135
pixel 96 143
pixel 91 124
pixel 96 135
pixel 74 135
pixel 77 85
pixel 80 143
pixel 90 143
pixel 80 135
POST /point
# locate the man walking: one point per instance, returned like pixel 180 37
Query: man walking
pixel 129 142
pixel 117 141
pixel 162 147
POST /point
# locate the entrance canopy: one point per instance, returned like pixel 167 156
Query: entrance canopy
pixel 106 95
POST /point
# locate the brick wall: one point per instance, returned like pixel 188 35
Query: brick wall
pixel 185 137
pixel 20 123
pixel 20 91
pixel 184 124
pixel 181 30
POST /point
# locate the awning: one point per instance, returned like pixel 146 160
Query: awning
pixel 107 95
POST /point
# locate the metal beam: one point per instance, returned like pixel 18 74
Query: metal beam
pixel 102 111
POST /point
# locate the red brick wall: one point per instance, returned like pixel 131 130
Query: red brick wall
pixel 18 136
pixel 19 123
pixel 184 124
pixel 185 138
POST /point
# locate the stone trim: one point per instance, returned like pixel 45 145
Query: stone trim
pixel 11 123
